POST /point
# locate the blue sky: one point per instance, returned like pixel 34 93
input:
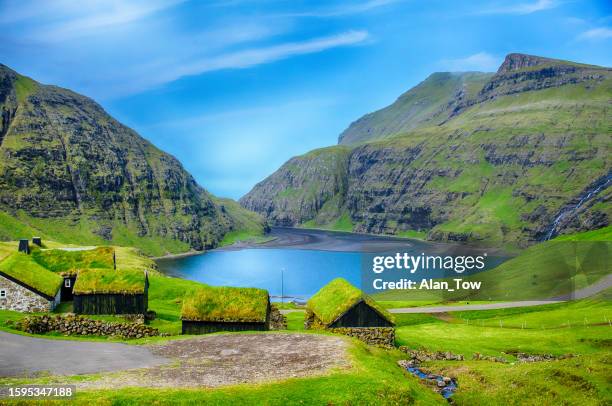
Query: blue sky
pixel 234 88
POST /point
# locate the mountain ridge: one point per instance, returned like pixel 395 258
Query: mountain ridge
pixel 73 173
pixel 496 164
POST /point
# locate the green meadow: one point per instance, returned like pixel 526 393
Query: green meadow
pixel 579 329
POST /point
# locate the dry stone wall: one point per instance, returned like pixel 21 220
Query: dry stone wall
pixel 77 325
pixel 380 336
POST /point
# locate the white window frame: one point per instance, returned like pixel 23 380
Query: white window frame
pixel 3 293
pixel 67 283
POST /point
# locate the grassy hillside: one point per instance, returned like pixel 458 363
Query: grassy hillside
pixel 499 169
pixel 72 173
pixel 545 270
pixel 429 103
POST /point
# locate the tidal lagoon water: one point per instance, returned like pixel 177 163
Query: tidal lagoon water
pixel 292 272
pixel 297 263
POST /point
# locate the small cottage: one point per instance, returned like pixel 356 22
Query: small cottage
pixel 68 262
pixel 106 291
pixel 340 307
pixel 25 286
pixel 211 309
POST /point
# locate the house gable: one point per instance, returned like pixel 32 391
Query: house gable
pixel 361 314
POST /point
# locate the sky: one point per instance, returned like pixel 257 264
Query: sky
pixel 234 88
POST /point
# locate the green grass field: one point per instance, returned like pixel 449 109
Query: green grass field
pixel 582 328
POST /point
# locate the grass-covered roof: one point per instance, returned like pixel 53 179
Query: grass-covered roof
pixel 226 304
pixel 337 297
pixel 109 281
pixel 67 261
pixel 23 268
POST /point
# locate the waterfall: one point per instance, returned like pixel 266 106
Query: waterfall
pixel 600 185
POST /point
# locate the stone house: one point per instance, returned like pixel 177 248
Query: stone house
pixel 342 308
pixel 23 294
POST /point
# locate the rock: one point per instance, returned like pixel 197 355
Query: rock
pixel 441 384
pixel 278 321
pixel 78 325
pixel 405 363
pixel 379 336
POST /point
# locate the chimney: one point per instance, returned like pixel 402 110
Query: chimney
pixel 24 246
pixel 114 261
pixel 37 241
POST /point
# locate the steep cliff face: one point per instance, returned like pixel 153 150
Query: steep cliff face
pixel 71 172
pixel 530 144
pixel 305 187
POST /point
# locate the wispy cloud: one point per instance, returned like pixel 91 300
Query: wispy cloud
pixel 66 19
pixel 595 34
pixel 481 61
pixel 343 10
pixel 521 8
pixel 254 56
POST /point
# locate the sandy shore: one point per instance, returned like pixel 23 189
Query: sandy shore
pixel 181 255
pixel 322 240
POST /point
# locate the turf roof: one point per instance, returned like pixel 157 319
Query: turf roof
pixel 109 281
pixel 23 268
pixel 337 297
pixel 71 262
pixel 226 304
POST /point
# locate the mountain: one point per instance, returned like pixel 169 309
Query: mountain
pixel 430 102
pixel 71 172
pixel 511 157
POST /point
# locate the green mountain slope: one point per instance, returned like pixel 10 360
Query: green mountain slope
pixel 430 102
pixel 72 173
pixel 524 158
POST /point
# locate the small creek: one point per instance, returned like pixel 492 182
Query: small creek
pixel 445 388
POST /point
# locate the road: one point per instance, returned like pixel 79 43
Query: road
pixel 23 355
pixel 590 290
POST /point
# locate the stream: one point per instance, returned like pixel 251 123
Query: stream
pixel 600 185
pixel 444 388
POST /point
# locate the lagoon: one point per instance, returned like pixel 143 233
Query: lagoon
pixel 297 263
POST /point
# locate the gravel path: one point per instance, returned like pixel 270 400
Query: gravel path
pixel 229 359
pixel 206 361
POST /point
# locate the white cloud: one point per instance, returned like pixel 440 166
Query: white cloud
pixel 252 57
pixel 66 19
pixel 522 8
pixel 595 34
pixel 346 9
pixel 481 61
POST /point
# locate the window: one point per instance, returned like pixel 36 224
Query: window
pixel 67 283
pixel 2 293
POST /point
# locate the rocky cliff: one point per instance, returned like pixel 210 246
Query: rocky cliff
pixel 497 163
pixel 71 172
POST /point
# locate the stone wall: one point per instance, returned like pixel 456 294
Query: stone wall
pixel 78 325
pixel 21 299
pixel 277 320
pixel 381 336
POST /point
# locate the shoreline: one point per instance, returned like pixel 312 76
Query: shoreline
pixel 180 255
pixel 341 241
